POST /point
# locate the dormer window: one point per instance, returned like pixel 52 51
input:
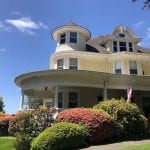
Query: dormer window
pixel 115 48
pixel 122 46
pixel 63 38
pixel 73 37
pixel 122 35
pixel 130 47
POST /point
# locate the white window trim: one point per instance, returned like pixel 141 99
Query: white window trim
pixel 136 66
pixel 114 67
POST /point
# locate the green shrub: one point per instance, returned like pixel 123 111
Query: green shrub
pixel 100 125
pixel 127 115
pixel 61 136
pixel 27 125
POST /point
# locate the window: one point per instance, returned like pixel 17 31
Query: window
pixel 60 63
pixel 122 35
pixel 73 37
pixel 122 46
pixel 73 99
pixel 118 67
pixel 63 38
pixel 73 63
pixel 133 67
pixel 60 100
pixel 130 47
pixel 115 46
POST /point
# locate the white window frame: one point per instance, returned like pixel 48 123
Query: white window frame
pixel 133 68
pixel 75 67
pixel 61 66
pixel 65 38
pixel 73 37
pixel 116 68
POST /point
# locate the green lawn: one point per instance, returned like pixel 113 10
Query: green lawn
pixel 6 143
pixel 137 147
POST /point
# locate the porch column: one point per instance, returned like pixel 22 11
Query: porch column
pixel 104 91
pixel 22 100
pixel 29 102
pixel 56 97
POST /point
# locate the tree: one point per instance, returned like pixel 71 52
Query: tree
pixel 146 3
pixel 2 105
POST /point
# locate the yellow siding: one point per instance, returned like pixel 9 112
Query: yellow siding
pixel 146 69
pixel 109 67
pixel 92 65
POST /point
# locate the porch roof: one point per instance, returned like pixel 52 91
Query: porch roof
pixel 82 78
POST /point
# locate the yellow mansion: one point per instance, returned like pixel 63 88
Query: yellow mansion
pixel 85 70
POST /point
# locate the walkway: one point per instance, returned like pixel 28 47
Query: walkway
pixel 117 146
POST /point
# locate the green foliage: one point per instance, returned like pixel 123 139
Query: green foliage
pixel 127 115
pixel 100 125
pixel 61 136
pixel 2 105
pixel 27 125
pixel 36 103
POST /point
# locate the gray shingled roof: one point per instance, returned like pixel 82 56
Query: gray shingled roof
pixel 96 43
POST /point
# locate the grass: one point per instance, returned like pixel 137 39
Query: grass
pixel 6 143
pixel 137 147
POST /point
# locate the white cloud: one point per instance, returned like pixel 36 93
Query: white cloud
pixel 26 25
pixel 2 50
pixel 146 40
pixel 16 13
pixel 139 24
pixel 4 27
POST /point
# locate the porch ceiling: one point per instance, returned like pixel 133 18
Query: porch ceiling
pixel 83 78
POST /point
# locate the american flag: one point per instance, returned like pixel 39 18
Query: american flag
pixel 129 95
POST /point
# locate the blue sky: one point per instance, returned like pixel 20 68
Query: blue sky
pixel 25 27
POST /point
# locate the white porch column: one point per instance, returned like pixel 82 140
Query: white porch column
pixel 22 100
pixel 105 91
pixel 56 97
pixel 29 102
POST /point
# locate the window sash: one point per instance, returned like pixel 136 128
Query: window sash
pixel 60 63
pixel 122 46
pixel 133 67
pixel 63 38
pixel 118 66
pixel 73 37
pixel 73 63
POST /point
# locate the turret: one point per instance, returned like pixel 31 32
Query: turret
pixel 71 37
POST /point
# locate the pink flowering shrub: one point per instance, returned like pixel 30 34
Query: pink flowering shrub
pixel 27 125
pixel 98 122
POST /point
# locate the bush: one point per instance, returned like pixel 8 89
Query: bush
pixel 4 123
pixel 27 125
pixel 61 136
pixel 101 127
pixel 126 114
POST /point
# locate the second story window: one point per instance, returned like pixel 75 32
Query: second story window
pixel 60 63
pixel 122 46
pixel 73 63
pixel 118 67
pixel 63 38
pixel 73 37
pixel 115 46
pixel 133 67
pixel 130 47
